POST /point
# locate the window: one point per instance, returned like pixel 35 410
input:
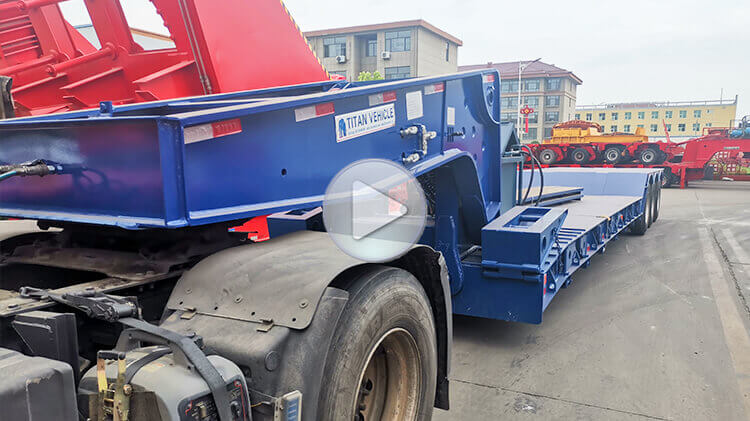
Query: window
pixel 531 85
pixel 654 114
pixel 334 46
pixel 552 101
pixel 696 113
pixel 683 114
pixel 628 115
pixel 547 132
pixel 613 129
pixel 578 116
pixel 400 72
pixel 553 84
pixel 602 116
pixel 533 117
pixel 709 124
pixel 509 86
pixel 654 128
pixel 667 114
pixel 589 116
pixel 614 116
pixel 669 127
pixel 696 127
pixel 681 126
pixel 447 51
pixel 398 41
pixel 372 48
pixel 531 135
pixel 531 101
pixel 639 126
pixel 552 116
pixel 641 115
pixel 508 117
pixel 626 128
pixel 509 102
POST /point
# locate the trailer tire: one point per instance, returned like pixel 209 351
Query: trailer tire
pixel 640 225
pixel 547 156
pixel 612 155
pixel 652 204
pixel 648 156
pixel 383 359
pixel 657 202
pixel 580 156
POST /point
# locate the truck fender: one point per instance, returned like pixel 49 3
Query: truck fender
pixel 285 295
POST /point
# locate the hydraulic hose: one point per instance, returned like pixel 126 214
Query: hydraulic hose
pixel 37 168
pixel 534 161
pixel 8 174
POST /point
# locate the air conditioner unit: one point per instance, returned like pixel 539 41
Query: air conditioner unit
pixel 341 59
pixel 385 55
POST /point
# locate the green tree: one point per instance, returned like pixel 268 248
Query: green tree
pixel 365 76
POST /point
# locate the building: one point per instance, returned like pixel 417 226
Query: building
pixel 683 120
pixel 397 50
pixel 546 88
pixel 148 40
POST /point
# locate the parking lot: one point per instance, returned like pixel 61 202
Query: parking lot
pixel 657 329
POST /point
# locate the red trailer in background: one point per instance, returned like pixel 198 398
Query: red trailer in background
pixel 682 162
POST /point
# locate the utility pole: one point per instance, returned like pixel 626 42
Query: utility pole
pixel 521 67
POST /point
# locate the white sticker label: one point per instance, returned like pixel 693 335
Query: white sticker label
pixel 451 117
pixel 360 123
pixel 414 105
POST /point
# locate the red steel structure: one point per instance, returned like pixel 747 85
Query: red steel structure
pixel 54 68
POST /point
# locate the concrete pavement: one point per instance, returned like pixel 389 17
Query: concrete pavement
pixel 657 328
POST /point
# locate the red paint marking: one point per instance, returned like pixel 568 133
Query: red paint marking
pixel 389 96
pixel 489 78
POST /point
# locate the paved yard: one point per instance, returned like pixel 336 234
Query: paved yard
pixel 657 328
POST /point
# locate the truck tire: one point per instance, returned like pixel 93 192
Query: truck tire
pixel 648 156
pixel 657 202
pixel 612 155
pixel 547 156
pixel 382 364
pixel 580 156
pixel 652 200
pixel 640 225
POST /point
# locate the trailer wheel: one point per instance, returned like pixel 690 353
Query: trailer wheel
pixel 640 225
pixel 383 360
pixel 667 179
pixel 657 202
pixel 612 155
pixel 648 156
pixel 650 204
pixel 547 156
pixel 580 156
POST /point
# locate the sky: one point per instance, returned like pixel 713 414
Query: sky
pixel 624 51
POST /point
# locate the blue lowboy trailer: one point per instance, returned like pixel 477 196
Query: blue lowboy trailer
pixel 134 300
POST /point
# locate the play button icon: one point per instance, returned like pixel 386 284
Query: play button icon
pixel 374 210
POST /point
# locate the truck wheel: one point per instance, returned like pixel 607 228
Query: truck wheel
pixel 612 155
pixel 648 156
pixel 382 364
pixel 652 202
pixel 657 202
pixel 580 156
pixel 547 157
pixel 640 225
